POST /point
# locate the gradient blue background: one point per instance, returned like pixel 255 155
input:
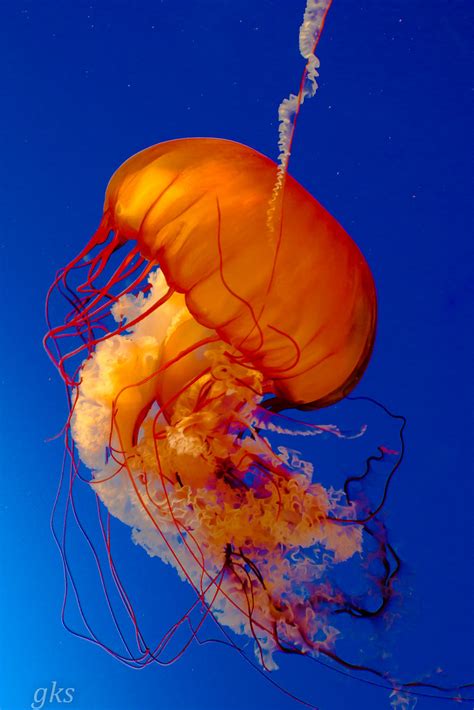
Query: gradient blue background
pixel 386 147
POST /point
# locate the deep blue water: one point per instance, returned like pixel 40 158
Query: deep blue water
pixel 386 146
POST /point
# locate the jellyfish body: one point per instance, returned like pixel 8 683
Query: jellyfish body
pixel 215 318
pixel 297 302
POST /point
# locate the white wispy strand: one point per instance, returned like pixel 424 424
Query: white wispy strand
pixel 309 34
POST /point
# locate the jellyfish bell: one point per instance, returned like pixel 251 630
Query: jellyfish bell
pixel 298 303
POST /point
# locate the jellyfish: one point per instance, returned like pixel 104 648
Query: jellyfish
pixel 234 324
pixel 216 301
pixel 238 298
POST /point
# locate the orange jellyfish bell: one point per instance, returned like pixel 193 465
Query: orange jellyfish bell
pixel 295 297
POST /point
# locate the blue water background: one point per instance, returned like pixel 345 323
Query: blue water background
pixel 386 146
